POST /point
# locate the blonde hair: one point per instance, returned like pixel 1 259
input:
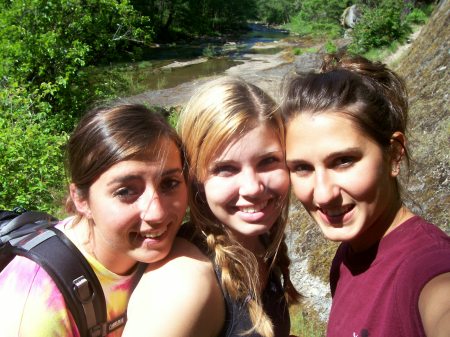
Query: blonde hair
pixel 218 112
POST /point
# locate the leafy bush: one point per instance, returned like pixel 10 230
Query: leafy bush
pixel 417 16
pixel 45 47
pixel 379 26
pixel 317 17
pixel 31 156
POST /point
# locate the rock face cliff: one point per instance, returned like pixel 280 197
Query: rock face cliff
pixel 426 69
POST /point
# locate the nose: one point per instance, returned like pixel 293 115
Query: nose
pixel 152 209
pixel 325 188
pixel 251 183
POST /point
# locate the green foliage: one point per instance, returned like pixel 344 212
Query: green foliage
pixel 48 49
pixel 330 47
pixel 379 26
pixel 209 51
pixel 417 16
pixel 300 51
pixel 31 156
pixel 173 19
pixel 46 45
pixel 319 18
pixel 276 11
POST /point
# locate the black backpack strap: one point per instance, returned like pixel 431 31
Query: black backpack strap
pixel 73 275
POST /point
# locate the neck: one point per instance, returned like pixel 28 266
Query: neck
pixel 382 227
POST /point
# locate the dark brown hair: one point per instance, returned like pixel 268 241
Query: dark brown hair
pixel 370 94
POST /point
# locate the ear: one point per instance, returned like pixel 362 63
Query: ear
pixel 81 202
pixel 398 146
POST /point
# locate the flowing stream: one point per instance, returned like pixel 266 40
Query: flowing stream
pixel 168 66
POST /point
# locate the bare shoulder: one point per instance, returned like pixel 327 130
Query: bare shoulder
pixel 184 257
pixel 183 285
pixel 434 306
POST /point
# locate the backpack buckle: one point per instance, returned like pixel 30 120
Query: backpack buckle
pixel 85 294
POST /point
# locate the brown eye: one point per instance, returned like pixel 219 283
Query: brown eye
pixel 170 184
pixel 125 194
pixel 344 161
pixel 300 168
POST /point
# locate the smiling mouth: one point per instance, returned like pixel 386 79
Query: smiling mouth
pixel 336 212
pixel 155 234
pixel 254 208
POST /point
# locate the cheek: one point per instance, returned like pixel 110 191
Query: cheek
pixel 300 188
pixel 278 181
pixel 181 204
pixel 364 184
pixel 218 191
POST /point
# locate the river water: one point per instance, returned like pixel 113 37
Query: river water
pixel 155 73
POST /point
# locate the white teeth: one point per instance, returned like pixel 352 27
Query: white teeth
pixel 254 208
pixel 154 235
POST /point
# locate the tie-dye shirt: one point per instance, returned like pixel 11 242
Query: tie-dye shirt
pixel 32 305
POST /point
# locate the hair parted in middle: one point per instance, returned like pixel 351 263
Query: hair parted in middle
pixel 218 112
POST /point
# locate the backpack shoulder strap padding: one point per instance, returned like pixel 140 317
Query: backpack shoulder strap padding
pixel 73 275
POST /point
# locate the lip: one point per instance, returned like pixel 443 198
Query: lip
pixel 337 215
pixel 254 213
pixel 154 234
pixel 254 208
pixel 150 237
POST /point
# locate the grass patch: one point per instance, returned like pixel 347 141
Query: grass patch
pixel 305 324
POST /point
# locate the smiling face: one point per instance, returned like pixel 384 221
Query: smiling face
pixel 341 177
pixel 136 208
pixel 247 184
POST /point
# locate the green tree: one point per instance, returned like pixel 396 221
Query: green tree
pixel 277 11
pixel 46 45
pixel 381 24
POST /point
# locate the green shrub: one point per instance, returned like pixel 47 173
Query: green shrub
pixel 31 156
pixel 45 47
pixel 379 26
pixel 417 16
pixel 318 18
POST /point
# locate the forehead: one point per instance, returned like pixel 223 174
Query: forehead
pixel 158 150
pixel 260 139
pixel 158 156
pixel 328 130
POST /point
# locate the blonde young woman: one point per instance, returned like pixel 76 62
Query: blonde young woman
pixel 239 184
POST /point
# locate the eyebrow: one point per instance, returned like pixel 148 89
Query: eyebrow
pixel 172 171
pixel 345 152
pixel 263 155
pixel 130 177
